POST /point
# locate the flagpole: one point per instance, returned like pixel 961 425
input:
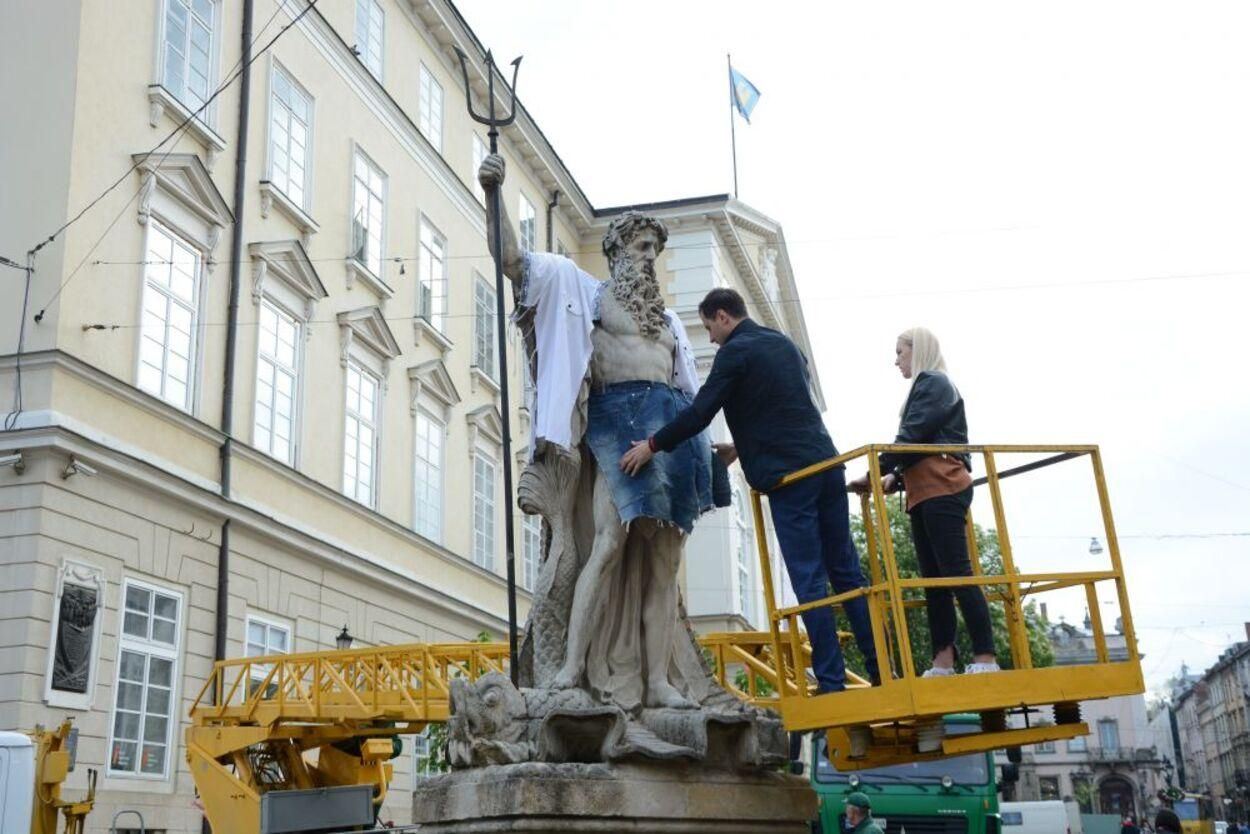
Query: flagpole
pixel 733 136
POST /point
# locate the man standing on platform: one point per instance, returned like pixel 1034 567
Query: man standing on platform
pixel 760 379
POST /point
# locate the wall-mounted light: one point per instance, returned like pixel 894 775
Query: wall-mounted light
pixel 15 460
pixel 1095 546
pixel 344 640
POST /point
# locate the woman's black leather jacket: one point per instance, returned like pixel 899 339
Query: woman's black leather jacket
pixel 933 413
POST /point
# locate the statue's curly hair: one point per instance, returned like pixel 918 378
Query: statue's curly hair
pixel 622 230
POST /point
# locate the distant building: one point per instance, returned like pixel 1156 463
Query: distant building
pixel 1211 718
pixel 1117 768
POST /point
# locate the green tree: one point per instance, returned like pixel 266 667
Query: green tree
pixel 917 622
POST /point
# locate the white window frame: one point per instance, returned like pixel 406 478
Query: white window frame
pixel 430 117
pixel 188 402
pixel 375 15
pixel 527 213
pixel 276 109
pixel 480 151
pixel 531 549
pixel 295 372
pixel 208 115
pixel 1115 725
pixel 429 523
pixel 149 649
pixel 485 339
pixel 351 488
pixel 742 563
pixel 421 755
pixel 1078 744
pixel 260 670
pixel 358 157
pixel 82 575
pixel 485 505
pixel 432 274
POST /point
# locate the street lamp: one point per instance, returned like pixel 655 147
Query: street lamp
pixel 344 640
pixel 1095 546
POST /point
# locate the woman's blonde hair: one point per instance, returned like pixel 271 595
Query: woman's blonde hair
pixel 926 353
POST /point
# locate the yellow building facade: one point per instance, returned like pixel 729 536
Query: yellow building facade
pixel 356 476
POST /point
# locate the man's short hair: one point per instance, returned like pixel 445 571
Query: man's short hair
pixel 723 298
pixel 623 229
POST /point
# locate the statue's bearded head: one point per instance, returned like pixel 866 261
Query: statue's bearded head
pixel 632 244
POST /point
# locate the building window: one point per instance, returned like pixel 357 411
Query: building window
pixel 480 151
pixel 428 514
pixel 277 382
pixel 1048 787
pixel 529 225
pixel 1109 734
pixel 430 108
pixel 368 212
pixel 187 63
pixel 561 249
pixel 483 510
pixel 170 312
pixel 265 637
pixel 432 277
pixel 370 26
pixel 743 529
pixel 1044 747
pixel 290 131
pixel 531 552
pixel 146 670
pixel 360 442
pixel 1077 745
pixel 484 347
pixel 423 754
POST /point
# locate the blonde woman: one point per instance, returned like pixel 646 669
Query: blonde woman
pixel 939 492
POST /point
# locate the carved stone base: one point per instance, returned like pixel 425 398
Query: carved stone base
pixel 540 798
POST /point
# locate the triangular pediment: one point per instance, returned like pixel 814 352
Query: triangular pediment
pixel 434 380
pixel 184 177
pixel 288 261
pixel 486 422
pixel 369 328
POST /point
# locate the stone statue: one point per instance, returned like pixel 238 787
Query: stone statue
pixel 607 643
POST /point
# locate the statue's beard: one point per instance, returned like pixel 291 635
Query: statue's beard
pixel 635 288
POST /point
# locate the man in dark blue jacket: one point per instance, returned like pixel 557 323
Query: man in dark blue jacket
pixel 760 379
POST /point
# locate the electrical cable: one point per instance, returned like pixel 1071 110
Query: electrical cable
pixel 182 126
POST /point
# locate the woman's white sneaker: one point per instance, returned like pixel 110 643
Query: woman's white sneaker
pixel 938 672
pixel 981 668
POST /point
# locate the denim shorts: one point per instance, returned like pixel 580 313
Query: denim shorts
pixel 675 487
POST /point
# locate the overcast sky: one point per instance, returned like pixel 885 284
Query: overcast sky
pixel 1062 193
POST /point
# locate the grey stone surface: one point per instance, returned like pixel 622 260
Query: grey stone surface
pixel 537 798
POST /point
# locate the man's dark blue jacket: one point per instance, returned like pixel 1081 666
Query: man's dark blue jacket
pixel 759 377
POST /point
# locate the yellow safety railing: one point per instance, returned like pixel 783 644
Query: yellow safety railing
pixel 406 682
pixel 903 694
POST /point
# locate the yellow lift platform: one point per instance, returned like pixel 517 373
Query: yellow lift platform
pixel 255 719
pixel 900 720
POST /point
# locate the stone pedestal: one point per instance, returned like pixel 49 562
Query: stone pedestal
pixel 668 798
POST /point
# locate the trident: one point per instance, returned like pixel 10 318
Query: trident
pixel 494 124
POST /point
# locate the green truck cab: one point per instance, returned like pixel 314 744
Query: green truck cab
pixel 957 795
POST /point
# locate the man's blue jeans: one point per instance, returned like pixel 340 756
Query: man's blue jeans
pixel 813 527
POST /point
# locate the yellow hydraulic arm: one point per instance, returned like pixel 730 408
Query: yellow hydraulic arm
pixel 52 764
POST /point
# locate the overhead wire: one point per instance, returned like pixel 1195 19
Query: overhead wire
pixel 182 126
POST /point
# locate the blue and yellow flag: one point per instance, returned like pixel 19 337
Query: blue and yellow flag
pixel 743 93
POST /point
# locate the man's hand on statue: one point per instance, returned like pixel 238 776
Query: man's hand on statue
pixel 727 452
pixel 492 171
pixel 637 457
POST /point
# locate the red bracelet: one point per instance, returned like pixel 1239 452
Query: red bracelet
pixel 651 444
